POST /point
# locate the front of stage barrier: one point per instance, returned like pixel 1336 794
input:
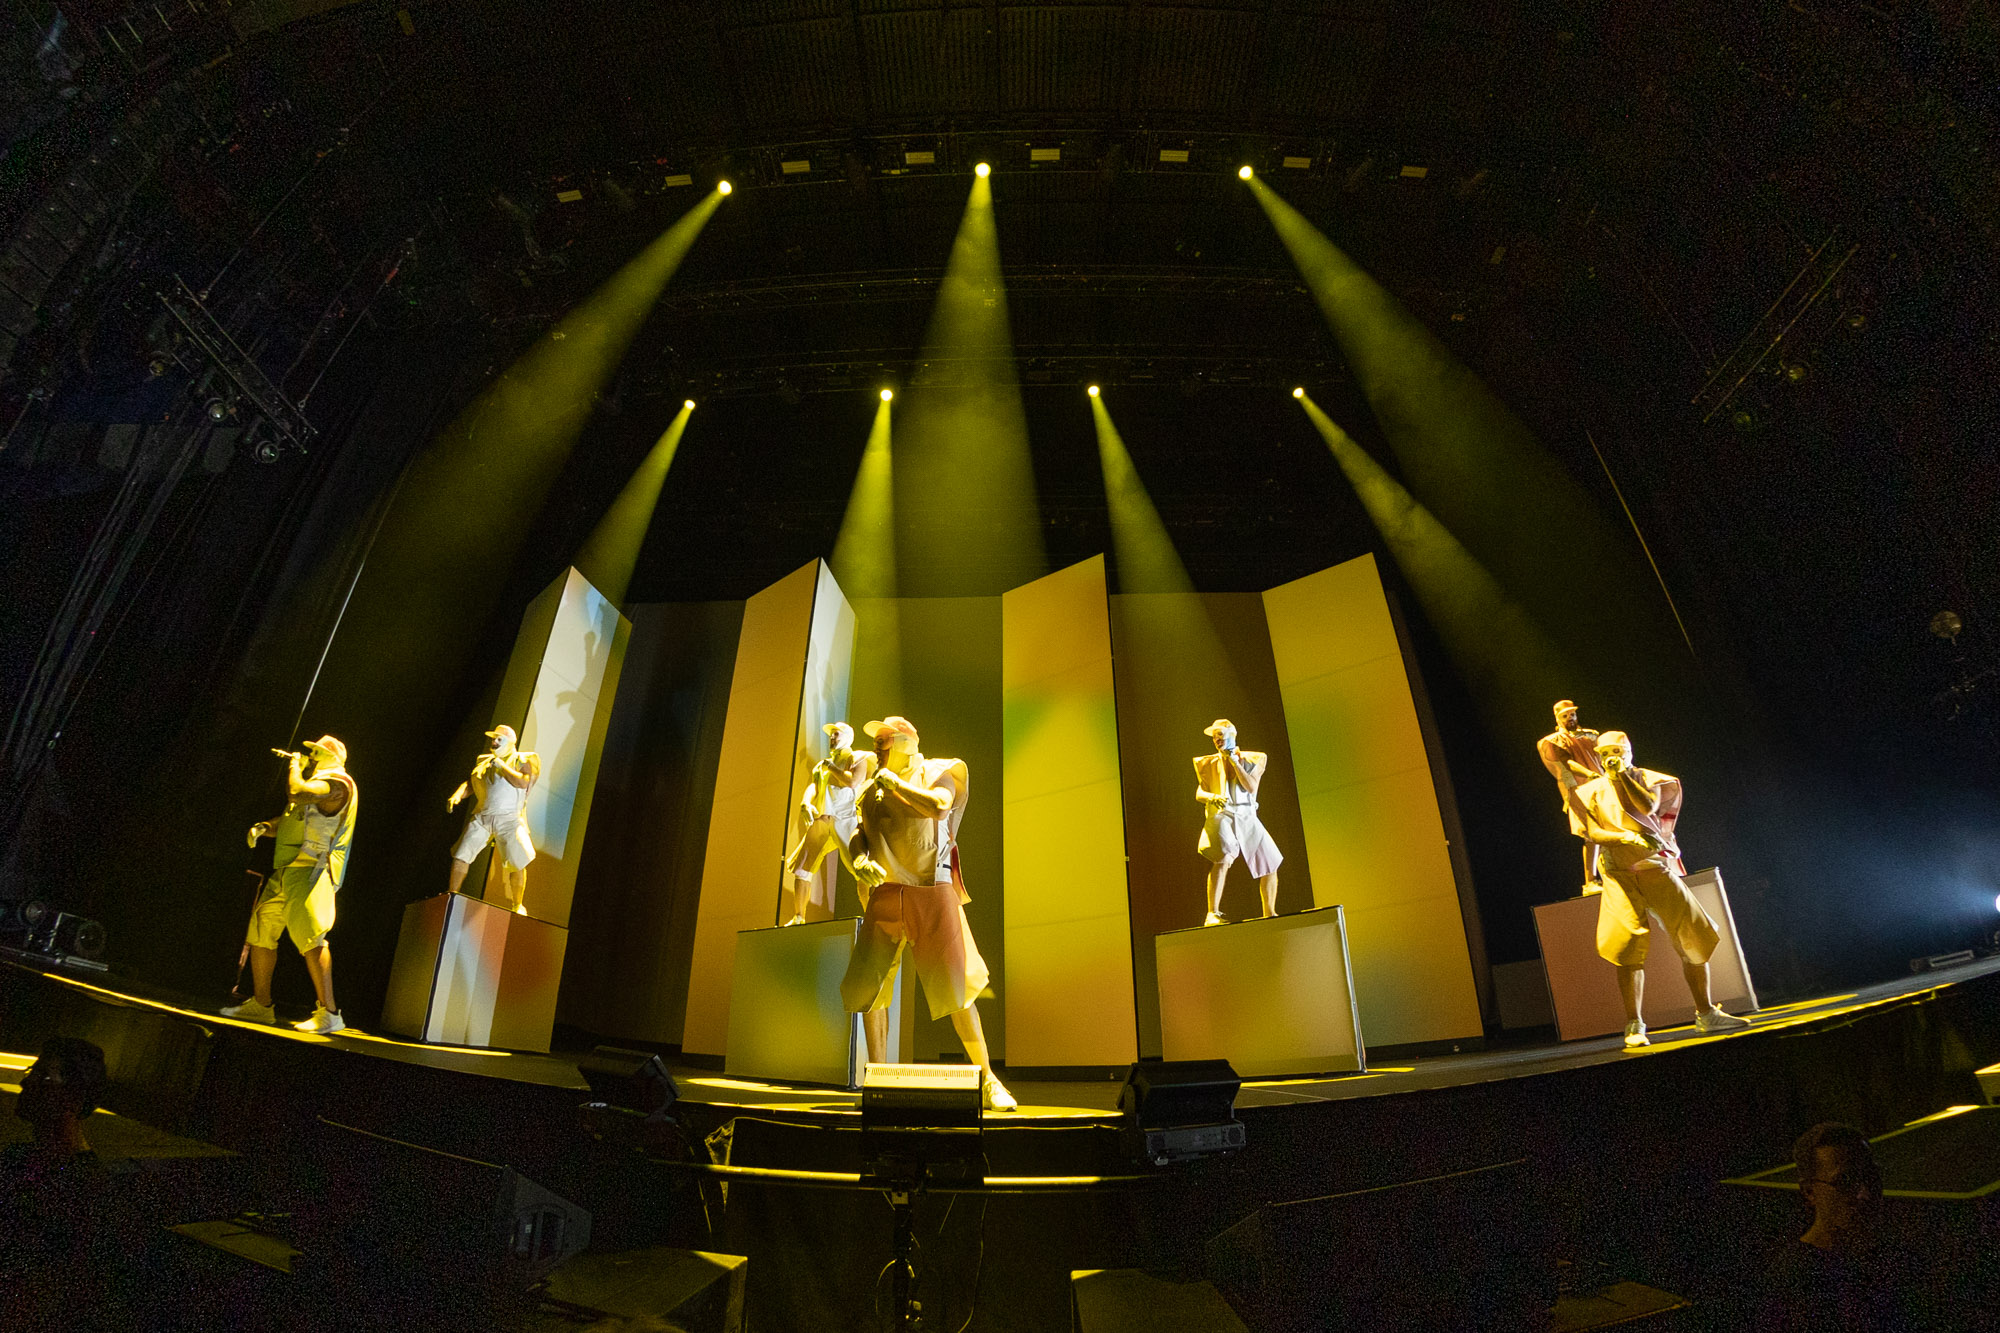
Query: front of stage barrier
pixel 786 1020
pixel 471 973
pixel 1273 996
pixel 1584 988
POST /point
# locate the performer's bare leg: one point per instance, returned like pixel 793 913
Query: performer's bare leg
pixel 517 887
pixel 1268 886
pixel 1697 980
pixel 1218 874
pixel 1632 989
pixel 458 869
pixel 875 1026
pixel 319 962
pixel 966 1023
pixel 794 905
pixel 263 962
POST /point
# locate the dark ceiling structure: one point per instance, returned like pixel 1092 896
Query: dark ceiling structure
pixel 1740 258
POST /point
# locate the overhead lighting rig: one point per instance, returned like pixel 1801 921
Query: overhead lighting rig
pixel 252 387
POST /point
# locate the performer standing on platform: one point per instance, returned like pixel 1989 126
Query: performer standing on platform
pixel 499 788
pixel 1631 813
pixel 905 857
pixel 1226 784
pixel 1570 754
pixel 314 836
pixel 828 810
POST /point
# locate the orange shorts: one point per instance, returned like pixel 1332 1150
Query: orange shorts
pixel 930 921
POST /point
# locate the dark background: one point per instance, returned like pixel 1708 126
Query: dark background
pixel 1613 203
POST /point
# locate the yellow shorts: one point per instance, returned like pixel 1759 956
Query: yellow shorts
pixel 1630 892
pixel 289 905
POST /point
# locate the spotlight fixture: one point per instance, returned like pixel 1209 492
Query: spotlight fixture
pixel 982 171
pixel 1243 172
pixel 1996 903
pixel 887 394
pixel 1092 391
pixel 218 410
pixel 1299 392
pixel 688 405
pixel 723 187
pixel 266 451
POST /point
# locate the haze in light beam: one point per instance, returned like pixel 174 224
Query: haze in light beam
pixel 1158 599
pixel 449 539
pixel 864 560
pixel 1475 465
pixel 608 556
pixel 965 483
pixel 1516 671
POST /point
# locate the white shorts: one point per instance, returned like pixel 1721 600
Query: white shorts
pixel 1235 831
pixel 513 842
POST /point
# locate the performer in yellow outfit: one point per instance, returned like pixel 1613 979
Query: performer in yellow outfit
pixel 313 836
pixel 1570 754
pixel 1630 814
pixel 905 856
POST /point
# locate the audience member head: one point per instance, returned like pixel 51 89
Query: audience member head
pixel 1839 1178
pixel 59 1092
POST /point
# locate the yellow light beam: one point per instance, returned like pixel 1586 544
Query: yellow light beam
pixel 1147 563
pixel 864 560
pixel 1145 554
pixel 611 552
pixel 1472 462
pixel 1493 641
pixel 968 521
pixel 464 505
pixel 864 554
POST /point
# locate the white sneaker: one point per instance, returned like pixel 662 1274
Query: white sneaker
pixel 520 909
pixel 796 921
pixel 252 1012
pixel 321 1022
pixel 997 1098
pixel 1635 1034
pixel 1714 1020
pixel 1215 919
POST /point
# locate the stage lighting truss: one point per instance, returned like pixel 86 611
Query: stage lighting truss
pixel 249 386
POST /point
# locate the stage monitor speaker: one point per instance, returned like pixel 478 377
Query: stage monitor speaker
pixel 921 1121
pixel 390 1211
pixel 1458 1251
pixel 1176 1110
pixel 632 1080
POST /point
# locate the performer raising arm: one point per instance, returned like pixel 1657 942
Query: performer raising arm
pixel 1631 813
pixel 828 811
pixel 314 836
pixel 1570 754
pixel 499 787
pixel 906 861
pixel 1226 784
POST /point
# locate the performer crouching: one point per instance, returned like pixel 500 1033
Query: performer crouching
pixel 905 856
pixel 314 836
pixel 1630 814
pixel 499 788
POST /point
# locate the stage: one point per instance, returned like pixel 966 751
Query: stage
pixel 1561 1124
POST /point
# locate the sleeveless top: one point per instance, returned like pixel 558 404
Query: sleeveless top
pixel 921 851
pixel 502 798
